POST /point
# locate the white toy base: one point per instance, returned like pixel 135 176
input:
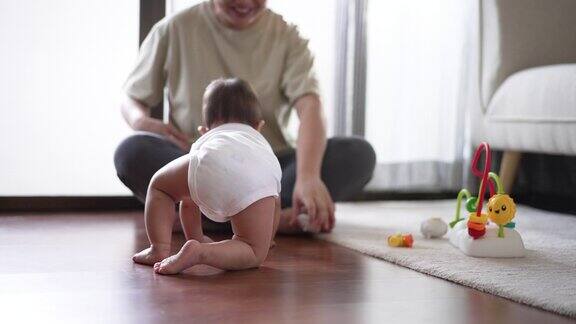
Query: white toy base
pixel 489 245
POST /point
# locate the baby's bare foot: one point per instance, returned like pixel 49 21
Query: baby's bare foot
pixel 152 254
pixel 184 259
pixel 207 239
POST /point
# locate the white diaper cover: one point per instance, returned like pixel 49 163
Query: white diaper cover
pixel 231 167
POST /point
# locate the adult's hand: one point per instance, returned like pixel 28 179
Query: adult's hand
pixel 310 193
pixel 156 126
pixel 312 197
pixel 137 115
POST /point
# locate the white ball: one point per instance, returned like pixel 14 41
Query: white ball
pixel 304 220
pixel 433 228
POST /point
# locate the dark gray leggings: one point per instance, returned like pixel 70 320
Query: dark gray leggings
pixel 347 166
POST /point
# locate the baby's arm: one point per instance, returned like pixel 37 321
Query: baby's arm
pixel 191 220
pixel 253 229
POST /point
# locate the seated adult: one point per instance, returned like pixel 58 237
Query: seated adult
pixel 243 39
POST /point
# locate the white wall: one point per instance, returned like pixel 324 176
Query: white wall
pixel 63 65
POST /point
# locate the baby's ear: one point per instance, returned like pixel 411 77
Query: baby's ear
pixel 260 125
pixel 203 130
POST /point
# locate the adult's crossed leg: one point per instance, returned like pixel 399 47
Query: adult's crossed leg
pixel 139 156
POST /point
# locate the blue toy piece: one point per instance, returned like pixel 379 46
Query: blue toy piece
pixel 510 225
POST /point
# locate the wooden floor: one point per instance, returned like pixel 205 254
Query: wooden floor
pixel 76 268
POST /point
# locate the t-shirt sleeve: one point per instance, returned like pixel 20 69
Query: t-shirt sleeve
pixel 299 76
pixel 146 81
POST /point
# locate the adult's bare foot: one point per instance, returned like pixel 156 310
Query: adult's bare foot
pixel 187 257
pixel 152 254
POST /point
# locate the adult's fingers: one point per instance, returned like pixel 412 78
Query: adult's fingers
pixel 315 211
pixel 181 144
pixel 331 212
pixel 332 219
pixel 176 133
pixel 185 146
pixel 313 228
pixel 296 208
pixel 152 125
pixel 322 212
pixel 311 207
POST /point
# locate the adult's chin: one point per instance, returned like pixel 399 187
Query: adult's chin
pixel 239 25
pixel 241 20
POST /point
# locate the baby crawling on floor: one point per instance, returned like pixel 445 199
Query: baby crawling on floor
pixel 230 174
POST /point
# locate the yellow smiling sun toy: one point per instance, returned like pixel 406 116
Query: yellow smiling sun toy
pixel 501 210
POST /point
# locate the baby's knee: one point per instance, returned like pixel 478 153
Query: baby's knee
pixel 187 202
pixel 254 256
pixel 260 254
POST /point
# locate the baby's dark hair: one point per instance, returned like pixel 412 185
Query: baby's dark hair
pixel 230 101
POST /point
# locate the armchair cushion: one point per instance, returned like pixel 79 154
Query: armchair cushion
pixel 535 110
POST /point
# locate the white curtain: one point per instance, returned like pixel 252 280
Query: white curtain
pixel 419 64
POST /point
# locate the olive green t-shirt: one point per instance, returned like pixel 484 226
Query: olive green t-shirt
pixel 188 50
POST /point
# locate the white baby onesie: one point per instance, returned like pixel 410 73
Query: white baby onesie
pixel 231 167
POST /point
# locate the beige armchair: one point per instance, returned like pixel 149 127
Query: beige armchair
pixel 527 79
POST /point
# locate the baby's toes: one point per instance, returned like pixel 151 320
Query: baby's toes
pixel 165 267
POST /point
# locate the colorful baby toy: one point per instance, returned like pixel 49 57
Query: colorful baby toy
pixel 501 208
pixel 476 236
pixel 401 240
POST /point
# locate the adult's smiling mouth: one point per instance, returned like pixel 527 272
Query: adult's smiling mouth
pixel 241 12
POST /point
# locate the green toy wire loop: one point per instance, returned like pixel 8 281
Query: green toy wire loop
pixel 496 179
pixel 463 193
